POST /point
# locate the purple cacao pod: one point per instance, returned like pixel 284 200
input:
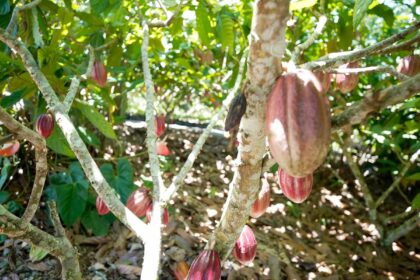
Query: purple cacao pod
pixel 139 201
pixel 99 74
pixel 297 189
pixel 409 65
pixel 101 206
pixel 347 82
pixel 263 200
pixel 206 266
pixel 325 80
pixel 298 123
pixel 165 218
pixel 160 125
pixel 45 125
pixel 246 246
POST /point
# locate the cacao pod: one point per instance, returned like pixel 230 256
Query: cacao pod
pixel 45 125
pixel 325 80
pixel 263 200
pixel 297 189
pixel 162 149
pixel 99 74
pixel 206 266
pixel 101 206
pixel 139 201
pixel 409 65
pixel 10 148
pixel 347 82
pixel 236 110
pixel 181 270
pixel 160 125
pixel 165 218
pixel 298 123
pixel 246 246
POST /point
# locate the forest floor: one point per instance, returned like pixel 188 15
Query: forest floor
pixel 329 236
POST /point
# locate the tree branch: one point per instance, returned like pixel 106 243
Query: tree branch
pixel 403 229
pixel 169 20
pixel 61 232
pixel 384 69
pixel 13 19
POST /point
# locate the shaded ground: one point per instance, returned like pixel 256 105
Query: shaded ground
pixel 327 237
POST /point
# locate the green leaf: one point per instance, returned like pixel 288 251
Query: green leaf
pixel 360 10
pixel 36 254
pixel 203 23
pixel 4 196
pixel 301 4
pixel 97 7
pixel 88 137
pixel 97 119
pixel 4 175
pixel 58 143
pixel 13 98
pixel 413 177
pixel 98 224
pixel 384 12
pixel 4 7
pixel 225 31
pixel 71 201
pixel 416 202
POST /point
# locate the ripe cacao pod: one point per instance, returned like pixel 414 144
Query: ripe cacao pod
pixel 246 246
pixel 10 148
pixel 101 206
pixel 181 270
pixel 165 218
pixel 99 74
pixel 206 266
pixel 162 149
pixel 325 80
pixel 45 125
pixel 409 65
pixel 263 200
pixel 347 82
pixel 236 110
pixel 297 189
pixel 160 125
pixel 139 201
pixel 298 123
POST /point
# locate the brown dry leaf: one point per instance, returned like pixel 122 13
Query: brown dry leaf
pixel 128 269
pixel 94 240
pixel 40 266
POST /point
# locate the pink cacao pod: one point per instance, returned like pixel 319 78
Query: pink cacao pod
pixel 139 201
pixel 298 123
pixel 181 270
pixel 45 125
pixel 160 125
pixel 206 266
pixel 165 218
pixel 246 246
pixel 297 189
pixel 101 206
pixel 162 148
pixel 347 82
pixel 325 80
pixel 409 65
pixel 10 148
pixel 263 200
pixel 99 74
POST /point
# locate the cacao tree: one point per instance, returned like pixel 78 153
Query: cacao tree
pixel 306 88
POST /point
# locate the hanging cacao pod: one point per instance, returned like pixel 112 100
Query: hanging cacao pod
pixel 409 65
pixel 237 109
pixel 139 201
pixel 99 74
pixel 206 266
pixel 10 148
pixel 101 206
pixel 181 270
pixel 325 80
pixel 165 218
pixel 160 124
pixel 347 82
pixel 298 123
pixel 246 246
pixel 297 189
pixel 162 148
pixel 263 200
pixel 45 125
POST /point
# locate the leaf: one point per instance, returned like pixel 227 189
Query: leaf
pixel 203 23
pixel 4 7
pixel 4 196
pixel 97 7
pixel 225 31
pixel 88 137
pixel 416 202
pixel 99 225
pixel 122 179
pixel 13 98
pixel 4 175
pixel 58 143
pixel 97 119
pixel 360 10
pixel 300 4
pixel 36 254
pixel 384 12
pixel 413 177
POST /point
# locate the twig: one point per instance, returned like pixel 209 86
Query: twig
pixel 169 20
pixel 335 59
pixel 399 216
pixel 397 180
pixel 61 232
pixel 318 30
pixel 386 69
pixel 177 181
pixel 404 46
pixel 403 229
pixel 376 101
pixel 13 19
pixel 163 8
